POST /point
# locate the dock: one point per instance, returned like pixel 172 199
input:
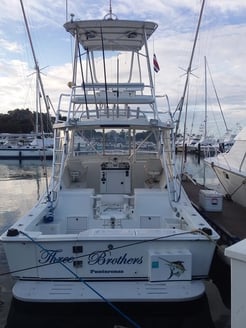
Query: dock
pixel 230 223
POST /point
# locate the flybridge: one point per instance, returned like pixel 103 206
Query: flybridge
pixel 113 78
pixel 110 34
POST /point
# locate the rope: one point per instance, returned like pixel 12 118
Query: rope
pixel 115 248
pixel 243 182
pixel 114 307
pixel 221 182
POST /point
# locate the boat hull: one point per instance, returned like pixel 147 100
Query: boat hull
pixel 25 153
pixel 120 270
pixel 233 183
pixel 148 258
pixel 113 291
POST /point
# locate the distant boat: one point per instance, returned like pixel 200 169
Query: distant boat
pixel 37 145
pixel 206 146
pixel 200 143
pixel 115 224
pixel 230 169
pixel 27 146
pixel 227 141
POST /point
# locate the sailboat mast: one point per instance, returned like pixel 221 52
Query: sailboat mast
pixel 206 99
pixel 217 98
pixel 206 113
pixel 188 72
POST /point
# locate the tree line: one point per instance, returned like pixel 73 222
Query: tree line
pixel 24 121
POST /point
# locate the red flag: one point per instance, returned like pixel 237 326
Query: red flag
pixel 156 65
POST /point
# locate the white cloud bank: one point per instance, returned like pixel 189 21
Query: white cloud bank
pixel 221 40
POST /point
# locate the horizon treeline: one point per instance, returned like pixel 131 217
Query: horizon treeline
pixel 24 121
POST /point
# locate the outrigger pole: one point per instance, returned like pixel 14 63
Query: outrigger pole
pixel 39 80
pixel 37 69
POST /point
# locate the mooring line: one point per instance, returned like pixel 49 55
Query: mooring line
pixel 86 283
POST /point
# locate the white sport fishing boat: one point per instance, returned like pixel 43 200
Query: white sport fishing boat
pixel 115 224
pixel 26 146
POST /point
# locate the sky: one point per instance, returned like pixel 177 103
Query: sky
pixel 222 40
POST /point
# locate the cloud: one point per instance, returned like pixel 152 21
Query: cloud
pixel 228 5
pixel 10 46
pixel 221 40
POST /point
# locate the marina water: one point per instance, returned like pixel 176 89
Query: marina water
pixel 21 184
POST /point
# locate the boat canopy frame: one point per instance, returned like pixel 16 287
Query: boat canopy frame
pixel 117 34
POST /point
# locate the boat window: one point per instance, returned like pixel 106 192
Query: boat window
pixel 107 140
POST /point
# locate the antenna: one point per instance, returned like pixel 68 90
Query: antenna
pixel 66 11
pixel 110 9
pixel 110 14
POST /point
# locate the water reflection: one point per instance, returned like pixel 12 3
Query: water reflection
pixel 21 184
pixel 199 172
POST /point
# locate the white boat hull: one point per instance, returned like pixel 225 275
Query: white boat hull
pixel 113 291
pixel 233 183
pixel 22 153
pixel 128 259
pixel 230 168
